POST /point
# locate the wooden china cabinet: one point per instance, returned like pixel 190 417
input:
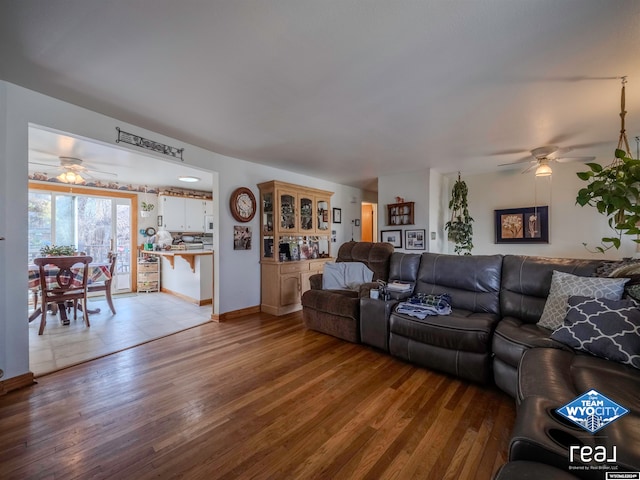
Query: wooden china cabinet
pixel 295 233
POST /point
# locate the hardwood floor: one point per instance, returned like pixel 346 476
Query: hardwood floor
pixel 259 397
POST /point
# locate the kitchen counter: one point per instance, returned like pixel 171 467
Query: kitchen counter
pixel 188 255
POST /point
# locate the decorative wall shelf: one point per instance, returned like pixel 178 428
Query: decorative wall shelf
pixel 400 213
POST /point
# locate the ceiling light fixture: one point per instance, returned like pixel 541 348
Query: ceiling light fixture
pixel 543 170
pixel 188 179
pixel 70 177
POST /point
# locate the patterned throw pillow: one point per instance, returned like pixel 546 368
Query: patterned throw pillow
pixel 565 285
pixel 606 328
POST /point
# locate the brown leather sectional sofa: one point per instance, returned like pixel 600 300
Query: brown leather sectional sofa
pixel 491 336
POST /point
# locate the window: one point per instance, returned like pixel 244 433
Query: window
pixel 95 225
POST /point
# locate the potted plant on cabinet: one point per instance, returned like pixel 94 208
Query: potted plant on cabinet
pixel 459 228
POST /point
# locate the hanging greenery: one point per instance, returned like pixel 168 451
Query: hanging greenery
pixel 459 228
pixel 614 190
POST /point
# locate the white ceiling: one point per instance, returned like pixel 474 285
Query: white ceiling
pixel 108 163
pixel 346 90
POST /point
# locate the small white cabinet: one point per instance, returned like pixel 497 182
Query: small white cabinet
pixel 181 214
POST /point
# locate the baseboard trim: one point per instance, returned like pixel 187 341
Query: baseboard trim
pixel 224 317
pixel 187 298
pixel 14 383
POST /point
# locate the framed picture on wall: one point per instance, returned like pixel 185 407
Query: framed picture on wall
pixel 337 215
pixel 414 239
pixel 522 225
pixel 241 237
pixel 394 237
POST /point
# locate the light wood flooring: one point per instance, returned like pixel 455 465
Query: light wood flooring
pixel 139 318
pixel 259 397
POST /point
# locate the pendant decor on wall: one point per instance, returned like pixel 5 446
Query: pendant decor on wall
pixel 142 142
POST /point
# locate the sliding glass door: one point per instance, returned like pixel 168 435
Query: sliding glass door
pixel 95 225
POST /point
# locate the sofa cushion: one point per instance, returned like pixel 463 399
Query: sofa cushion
pixel 404 267
pixel 562 375
pixel 462 330
pixel 375 255
pixel 564 285
pixel 473 281
pixel 345 275
pixel 343 303
pixel 526 281
pixel 512 337
pixel 606 328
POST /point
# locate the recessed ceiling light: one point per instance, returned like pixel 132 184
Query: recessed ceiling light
pixel 188 178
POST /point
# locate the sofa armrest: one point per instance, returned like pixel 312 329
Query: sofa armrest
pixel 365 288
pixel 315 281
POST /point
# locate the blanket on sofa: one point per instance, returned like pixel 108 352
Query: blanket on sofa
pixel 421 306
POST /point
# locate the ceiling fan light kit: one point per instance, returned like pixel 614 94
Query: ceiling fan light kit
pixel 543 170
pixel 70 177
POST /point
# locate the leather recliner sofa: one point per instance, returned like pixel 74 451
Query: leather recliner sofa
pixel 492 334
pixel 337 312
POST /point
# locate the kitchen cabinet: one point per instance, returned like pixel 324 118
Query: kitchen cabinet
pixel 294 229
pixel 182 214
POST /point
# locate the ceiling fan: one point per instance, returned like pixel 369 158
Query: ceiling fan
pixel 540 158
pixel 74 170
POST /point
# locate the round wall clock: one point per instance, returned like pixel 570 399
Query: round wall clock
pixel 242 204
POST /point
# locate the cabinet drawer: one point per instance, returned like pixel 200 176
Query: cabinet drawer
pixel 147 267
pixel 148 277
pixel 148 286
pixel 294 267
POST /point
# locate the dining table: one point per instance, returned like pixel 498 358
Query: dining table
pixel 98 272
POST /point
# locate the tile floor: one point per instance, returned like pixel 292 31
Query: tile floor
pixel 139 318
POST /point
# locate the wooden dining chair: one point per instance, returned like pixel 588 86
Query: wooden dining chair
pixel 106 285
pixel 63 279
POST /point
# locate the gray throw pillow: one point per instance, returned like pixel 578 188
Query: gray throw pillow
pixel 605 328
pixel 565 285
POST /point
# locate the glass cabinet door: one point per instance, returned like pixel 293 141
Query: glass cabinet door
pixel 267 224
pixel 306 214
pixel 287 211
pixel 267 212
pixel 322 212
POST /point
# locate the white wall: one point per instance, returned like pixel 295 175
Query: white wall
pixel 237 272
pixel 413 187
pixel 569 224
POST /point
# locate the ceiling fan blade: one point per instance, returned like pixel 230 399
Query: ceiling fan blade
pixel 93 170
pixel 573 159
pixel 530 167
pixel 512 151
pixel 526 159
pixel 43 164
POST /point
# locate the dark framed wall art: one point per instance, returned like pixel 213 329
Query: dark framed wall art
pixel 414 239
pixel 337 215
pixel 522 225
pixel 394 237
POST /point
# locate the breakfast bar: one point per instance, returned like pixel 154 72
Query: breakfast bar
pixel 189 277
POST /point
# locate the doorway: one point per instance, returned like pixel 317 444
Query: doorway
pixel 369 223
